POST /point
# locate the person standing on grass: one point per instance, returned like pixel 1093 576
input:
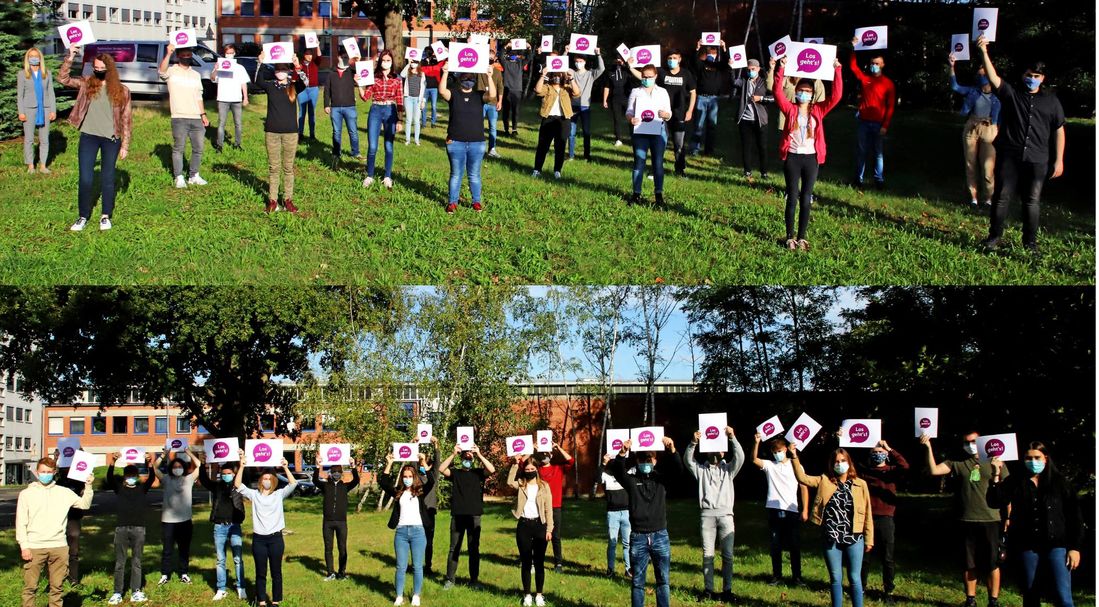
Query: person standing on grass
pixel 1033 136
pixel 1047 528
pixel 877 101
pixel 581 106
pixel 41 514
pixel 492 102
pixel 980 524
pixel 752 95
pixel 886 468
pixel 226 516
pixel 339 104
pixel 430 468
pixel 982 111
pixel 554 475
pixel 188 113
pixel 557 91
pixel 680 86
pixel 784 516
pixel 232 96
pixel 803 149
pixel 268 521
pixel 467 494
pixel 104 116
pixel 715 498
pixel 842 509
pixel 334 520
pixel 533 532
pixel 415 83
pixel 433 70
pixel 788 85
pixel 618 518
pixel 129 533
pixel 647 103
pixel 384 119
pixel 407 520
pixel 307 100
pixel 649 517
pixel 465 136
pixel 73 529
pixel 514 65
pixel 37 106
pixel 616 93
pixel 711 71
pixel 282 83
pixel 176 525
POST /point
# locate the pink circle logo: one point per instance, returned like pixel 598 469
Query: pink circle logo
pixel 995 447
pixel 646 438
pixel 262 452
pixel 423 433
pixel 277 52
pixel 925 422
pixel 801 432
pixel 858 433
pixel 467 58
pixel 81 466
pixel 364 73
pixel 556 63
pixel 712 432
pixel 647 116
pixel 959 47
pixel 413 53
pixel 226 64
pixel 982 24
pixel 582 44
pixel 768 429
pixel 131 453
pixel 74 35
pixel 710 39
pixel 809 60
pixel 221 449
pixel 869 37
pixel 518 445
pixel 644 56
pixel 737 56
pixel 334 454
pixel 68 452
pixel 780 48
pixel 545 440
pixel 183 38
pixel 463 438
pixel 616 444
pixel 176 443
pixel 405 451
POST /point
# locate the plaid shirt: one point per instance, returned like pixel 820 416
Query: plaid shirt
pixel 386 89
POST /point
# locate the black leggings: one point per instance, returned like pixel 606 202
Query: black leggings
pixel 339 530
pixel 267 550
pixel 554 129
pixel 803 168
pixel 511 108
pixel 468 526
pixel 530 536
pixel 617 108
pixel 753 136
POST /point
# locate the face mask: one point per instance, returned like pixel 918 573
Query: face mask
pixel 513 57
pixel 648 82
pixel 804 96
pixel 874 69
pixel 673 63
pixel 231 55
pixel 530 474
pixel 407 481
pixel 131 482
pixel 1035 466
pixel 423 470
pixel 780 456
pixel 492 59
pixel 753 74
pixel 467 84
pixel 185 61
pixel 580 65
pixel 335 473
pixel 34 61
pixel 982 81
pixel 711 58
pixel 645 468
pixel 840 467
pixel 101 75
pixel 282 75
pixel 227 478
pixel 555 81
pixel 342 63
pixel 266 484
pixel 971 448
pixel 386 65
pixel 1032 84
pixel 878 458
pixel 467 464
pixel 45 477
pixel 177 471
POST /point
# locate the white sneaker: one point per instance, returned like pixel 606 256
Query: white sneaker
pixel 116 599
pixel 557 174
pixel 138 597
pixel 186 579
pixel 527 601
pixel 415 600
pixel 617 143
pixel 492 152
pixel 220 594
pixel 369 181
pixel 241 594
pixel 79 225
pixel 535 173
pixel 388 183
pixel 197 180
pixel 104 224
pixel 539 601
pixel 163 580
pixel 180 182
pixel 417 142
pixel 399 601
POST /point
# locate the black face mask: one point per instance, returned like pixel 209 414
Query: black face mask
pixel 101 75
pixel 555 81
pixel 530 474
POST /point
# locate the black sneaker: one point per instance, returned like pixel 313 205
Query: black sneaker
pixel 1031 248
pixel 727 597
pixel 970 601
pixel 634 199
pixel 558 568
pixel 764 175
pixel 238 146
pixel 659 199
pixel 993 602
pixel 774 581
pixel 990 244
pixel 217 148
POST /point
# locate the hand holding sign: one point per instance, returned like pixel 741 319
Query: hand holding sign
pixel 780 47
pixel 814 61
pixel 863 433
pixel 959 47
pixel 712 439
pixel 465 438
pixel 78 33
pixel 770 428
pixel 738 56
pixel 423 433
pixel 405 452
pixel 262 452
pixel 334 454
pixel 468 58
pixel 583 44
pixel 871 38
pixel 83 467
pixel 984 23
pixel 1002 446
pixel 711 38
pixel 184 38
pixel 616 438
pixel 802 431
pixel 927 422
pixel 650 438
pixel 520 445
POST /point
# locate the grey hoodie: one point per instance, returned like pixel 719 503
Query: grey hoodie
pixel 715 483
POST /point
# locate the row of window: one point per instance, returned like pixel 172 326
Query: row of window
pixel 345 9
pixel 17 414
pixel 119 424
pixel 20 443
pixel 110 14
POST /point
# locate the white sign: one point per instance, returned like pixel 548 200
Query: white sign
pixel 220 450
pixel 780 47
pixel 624 51
pixel 871 38
pixel 547 43
pixel 584 44
pixel 803 431
pixel 1002 446
pixel 959 46
pixel 518 44
pixel 226 65
pixel 813 61
pixel 364 72
pixel 543 441
pixel 616 438
pixel 651 123
pixel 423 433
pixel 520 445
pixel 711 427
pixel 406 452
pixel 278 52
pixel 468 58
pixel 412 54
pixel 263 452
pixel 83 466
pixel 311 40
pixel 335 454
pixel 650 438
pixel 770 428
pixel 984 22
pixel 465 437
pixel 352 47
pixel 711 38
pixel 440 51
pixel 478 39
pixel 927 422
pixel 648 54
pixel 176 445
pixel 863 433
pixel 557 63
pixel 184 38
pixel 738 56
pixel 66 448
pixel 76 33
pixel 817 40
pixel 132 455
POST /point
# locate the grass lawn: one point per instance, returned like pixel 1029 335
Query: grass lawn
pixel 925 556
pixel 718 227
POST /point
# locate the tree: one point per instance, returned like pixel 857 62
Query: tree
pixel 19 31
pixel 654 306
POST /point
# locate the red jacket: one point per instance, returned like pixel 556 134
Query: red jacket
pixel 433 71
pixel 311 73
pixel 816 110
pixel 879 96
pixel 554 475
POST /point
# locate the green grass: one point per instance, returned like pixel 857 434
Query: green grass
pixel 925 555
pixel 718 227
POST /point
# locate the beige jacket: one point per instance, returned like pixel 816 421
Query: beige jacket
pixel 42 512
pixel 544 499
pixel 863 522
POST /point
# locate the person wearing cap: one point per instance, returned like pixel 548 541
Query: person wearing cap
pixel 554 475
pixel 877 101
pixel 751 93
pixel 129 532
pixel 176 524
pixel 189 119
pixel 339 104
pixel 467 495
pixel 712 72
pixel 232 96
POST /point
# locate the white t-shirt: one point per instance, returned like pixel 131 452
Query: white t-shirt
pixel 267 515
pixel 610 483
pixel 530 509
pixel 410 511
pixel 782 485
pixel 229 84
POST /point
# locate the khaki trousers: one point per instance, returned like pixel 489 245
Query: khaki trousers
pixel 56 562
pixel 281 150
pixel 980 155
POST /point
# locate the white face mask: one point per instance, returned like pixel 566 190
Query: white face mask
pixel 230 55
pixel 177 471
pixel 282 75
pixel 580 65
pixel 266 483
pixel 386 65
pixel 971 448
pixel 343 62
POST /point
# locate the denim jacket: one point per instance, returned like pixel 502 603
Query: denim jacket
pixel 971 94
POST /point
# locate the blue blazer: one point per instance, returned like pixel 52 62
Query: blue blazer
pixel 971 93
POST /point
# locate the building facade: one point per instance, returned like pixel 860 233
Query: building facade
pixel 140 19
pixel 20 432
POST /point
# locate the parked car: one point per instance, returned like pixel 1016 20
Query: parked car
pixel 138 63
pixel 304 488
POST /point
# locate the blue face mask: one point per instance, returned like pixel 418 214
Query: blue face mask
pixel 1032 84
pixel 874 69
pixel 227 478
pixel 467 84
pixel 780 456
pixel 513 57
pixel 982 80
pixel 45 477
pixel 673 63
pixel 645 468
pixel 131 482
pixel 1034 466
pixel 878 458
pixel 467 463
pixel 711 58
pixel 407 481
pixel 804 96
pixel 841 467
pixel 423 470
pixel 753 74
pixel 648 82
pixel 34 61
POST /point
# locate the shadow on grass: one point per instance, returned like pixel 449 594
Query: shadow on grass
pixel 244 176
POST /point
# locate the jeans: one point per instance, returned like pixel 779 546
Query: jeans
pixel 182 130
pixel 178 535
pixel 412 119
pixel 469 526
pixel 530 537
pixel 490 114
pixel 431 96
pixel 224 532
pixel 980 156
pixel 753 138
pixel 128 540
pixel 282 148
pixel 345 116
pixel 409 538
pixel 307 104
pixel 618 531
pixel 90 148
pixel 800 171
pixel 552 130
pixel 643 548
pixel 653 145
pixel 382 120
pixel 465 159
pixel 338 530
pixel 717 530
pixel 884 544
pixel 706 123
pixel 785 530
pixel 581 115
pixel 238 119
pixel 1013 173
pixel 833 557
pixel 72 538
pixel 1057 574
pixel 512 97
pixel 267 551
pixel 870 138
pixel 43 142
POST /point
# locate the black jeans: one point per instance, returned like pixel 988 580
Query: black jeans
pixel 470 527
pixel 72 538
pixel 512 97
pixel 267 552
pixel 617 108
pixel 1014 174
pixel 128 540
pixel 801 175
pixel 753 139
pixel 178 535
pixel 677 135
pixel 339 530
pixel 530 536
pixel 785 533
pixel 883 547
pixel 554 129
pixel 89 149
pixel 557 536
pixel 429 532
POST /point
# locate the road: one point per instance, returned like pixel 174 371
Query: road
pixel 102 502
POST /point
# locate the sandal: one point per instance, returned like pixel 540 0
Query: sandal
pixel 803 244
pixel 792 244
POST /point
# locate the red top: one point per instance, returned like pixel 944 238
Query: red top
pixel 433 71
pixel 554 475
pixel 879 96
pixel 386 89
pixel 311 72
pixel 816 110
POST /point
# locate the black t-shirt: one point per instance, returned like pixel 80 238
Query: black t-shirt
pixel 679 87
pixel 468 486
pixel 1027 121
pixel 618 81
pixel 282 113
pixel 466 116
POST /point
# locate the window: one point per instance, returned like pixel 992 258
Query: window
pixel 325 8
pixel 352 8
pixel 286 8
pixel 101 13
pixel 55 425
pixel 76 425
pixel 86 13
pixel 114 15
pixel 247 8
pixel 202 21
pixel 463 10
pixel 228 7
pixel 141 425
pixel 205 54
pixel 99 425
pixel 267 8
pixel 7 442
pixel 148 16
pixel 305 8
pixel 161 424
pixel 424 7
pixel 125 15
pixel 156 19
pixel 119 424
pixel 10 414
pixel 26 415
pixel 18 414
pixel 183 425
pixel 186 21
pixel 484 11
pixel 308 424
pixel 74 11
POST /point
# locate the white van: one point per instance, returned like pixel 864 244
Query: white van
pixel 138 62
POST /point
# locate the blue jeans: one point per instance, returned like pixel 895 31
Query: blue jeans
pixel 490 113
pixel 581 114
pixel 380 117
pixel 307 102
pixel 618 530
pixel 90 148
pixel 705 122
pixel 410 538
pixel 465 159
pixel 657 547
pixel 833 557
pixel 431 96
pixel 644 145
pixel 232 533
pixel 1057 574
pixel 340 117
pixel 870 138
pixel 412 121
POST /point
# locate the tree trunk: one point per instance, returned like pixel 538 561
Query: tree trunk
pixel 391 26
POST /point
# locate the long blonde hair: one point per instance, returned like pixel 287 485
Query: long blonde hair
pixel 41 64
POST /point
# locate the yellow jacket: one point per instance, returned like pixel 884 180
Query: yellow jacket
pixel 42 512
pixel 863 521
pixel 544 499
